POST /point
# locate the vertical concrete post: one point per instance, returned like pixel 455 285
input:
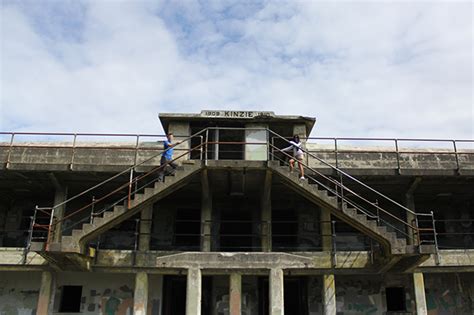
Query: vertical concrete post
pixel 140 297
pixel 266 210
pixel 276 292
pixel 235 293
pixel 326 230
pixel 145 228
pixel 46 294
pixel 181 131
pixel 206 213
pixel 420 297
pixel 410 204
pixel 60 195
pixel 329 295
pixel 193 292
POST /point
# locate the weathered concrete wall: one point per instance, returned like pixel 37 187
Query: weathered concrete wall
pixel 101 157
pixel 357 295
pixel 19 292
pixel 449 294
pixel 104 294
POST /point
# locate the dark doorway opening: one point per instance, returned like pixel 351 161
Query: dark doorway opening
pixel 236 228
pixel 71 299
pixel 187 229
pixel 231 146
pixel 296 295
pixel 174 295
pixel 284 230
pixel 395 299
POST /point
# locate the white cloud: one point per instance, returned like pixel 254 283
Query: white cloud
pixel 397 69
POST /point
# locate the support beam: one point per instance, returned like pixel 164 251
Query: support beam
pixel 420 297
pixel 329 294
pixel 410 204
pixel 193 292
pixel 235 293
pixel 326 230
pixel 145 228
pixel 206 213
pixel 46 294
pixel 266 210
pixel 60 195
pixel 276 304
pixel 140 297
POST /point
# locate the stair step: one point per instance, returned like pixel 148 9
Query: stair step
pixel 148 192
pixel 76 233
pixel 109 214
pixel 99 221
pixel 119 209
pixel 87 227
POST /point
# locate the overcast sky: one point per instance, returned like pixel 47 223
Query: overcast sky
pixel 375 68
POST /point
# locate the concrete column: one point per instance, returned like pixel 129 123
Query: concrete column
pixel 193 292
pixel 329 295
pixel 326 230
pixel 181 131
pixel 46 294
pixel 410 204
pixel 420 298
pixel 266 210
pixel 60 195
pixel 145 228
pixel 206 213
pixel 235 294
pixel 140 297
pixel 276 292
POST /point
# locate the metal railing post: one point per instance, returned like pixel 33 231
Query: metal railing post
pixel 135 245
pixel 71 165
pixel 399 171
pixel 7 163
pixel 336 155
pixel 92 210
pixel 333 247
pixel 28 240
pixel 50 228
pixel 129 198
pixel 435 235
pixel 458 168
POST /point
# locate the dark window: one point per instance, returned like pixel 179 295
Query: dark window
pixel 395 299
pixel 71 299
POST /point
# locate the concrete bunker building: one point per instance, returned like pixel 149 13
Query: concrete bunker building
pixel 380 226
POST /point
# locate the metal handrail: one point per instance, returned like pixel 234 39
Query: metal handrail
pixel 414 228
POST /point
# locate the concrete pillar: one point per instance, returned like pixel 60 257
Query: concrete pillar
pixel 276 292
pixel 181 131
pixel 60 195
pixel 145 228
pixel 206 213
pixel 256 133
pixel 235 294
pixel 329 295
pixel 46 294
pixel 266 210
pixel 326 230
pixel 300 130
pixel 193 292
pixel 140 297
pixel 410 204
pixel 420 298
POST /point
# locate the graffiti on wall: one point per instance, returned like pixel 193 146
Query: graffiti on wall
pixel 449 294
pixel 359 297
pixel 17 301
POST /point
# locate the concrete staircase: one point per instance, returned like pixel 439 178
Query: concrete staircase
pixel 397 253
pixel 77 241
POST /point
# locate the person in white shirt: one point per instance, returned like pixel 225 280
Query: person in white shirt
pixel 298 154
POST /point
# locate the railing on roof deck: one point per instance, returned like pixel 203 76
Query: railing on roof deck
pixel 346 187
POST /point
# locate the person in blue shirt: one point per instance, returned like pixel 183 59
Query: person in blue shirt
pixel 167 156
